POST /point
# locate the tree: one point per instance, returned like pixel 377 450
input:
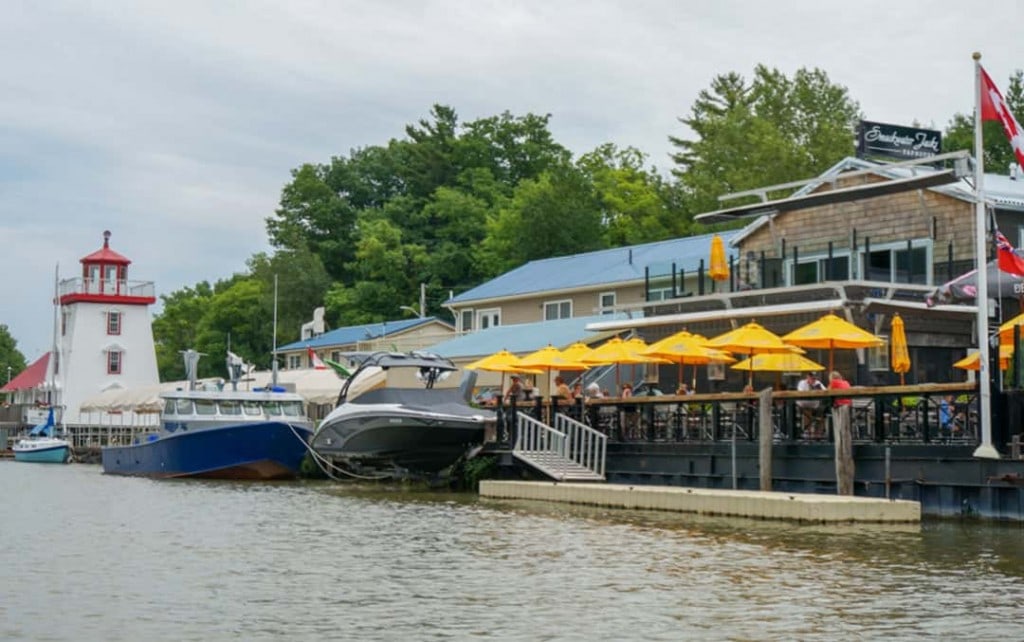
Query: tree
pixel 175 328
pixel 554 215
pixel 772 130
pixel 998 154
pixel 10 356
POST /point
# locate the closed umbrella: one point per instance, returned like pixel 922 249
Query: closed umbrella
pixel 719 269
pixel 831 332
pixel 900 358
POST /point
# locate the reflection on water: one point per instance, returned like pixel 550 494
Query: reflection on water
pixel 86 556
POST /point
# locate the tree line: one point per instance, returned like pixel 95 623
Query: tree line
pixel 451 204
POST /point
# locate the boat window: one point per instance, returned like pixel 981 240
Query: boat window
pixel 170 406
pixel 272 408
pixel 206 407
pixel 252 408
pixel 230 407
pixel 292 408
pixel 184 406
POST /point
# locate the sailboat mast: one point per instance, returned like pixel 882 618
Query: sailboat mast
pixel 55 354
pixel 273 376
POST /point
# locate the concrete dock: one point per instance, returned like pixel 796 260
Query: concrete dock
pixel 800 507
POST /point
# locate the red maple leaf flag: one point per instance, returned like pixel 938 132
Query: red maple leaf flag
pixel 993 107
pixel 1009 260
pixel 315 361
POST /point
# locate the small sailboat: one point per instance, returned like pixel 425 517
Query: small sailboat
pixel 41 446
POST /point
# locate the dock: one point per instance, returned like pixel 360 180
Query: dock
pixel 798 507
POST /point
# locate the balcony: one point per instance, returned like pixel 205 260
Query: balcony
pixel 106 290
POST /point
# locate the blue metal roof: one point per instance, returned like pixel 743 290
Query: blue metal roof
pixel 611 267
pixel 522 338
pixel 354 333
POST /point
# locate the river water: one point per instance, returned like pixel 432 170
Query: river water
pixel 85 556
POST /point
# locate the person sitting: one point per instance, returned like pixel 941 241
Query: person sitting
pixel 562 393
pixel 810 408
pixel 683 389
pixel 594 391
pixel 950 421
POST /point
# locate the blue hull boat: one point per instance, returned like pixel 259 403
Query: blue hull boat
pixel 46 450
pixel 258 451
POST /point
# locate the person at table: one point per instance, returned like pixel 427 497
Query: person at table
pixel 594 391
pixel 562 392
pixel 837 382
pixel 577 391
pixel 809 408
pixel 515 390
pixel 683 389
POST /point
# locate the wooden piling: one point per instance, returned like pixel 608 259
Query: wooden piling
pixel 765 437
pixel 843 430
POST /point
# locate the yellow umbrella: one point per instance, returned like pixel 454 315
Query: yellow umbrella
pixel 577 351
pixel 551 358
pixel 687 349
pixel 1006 329
pixel 719 269
pixel 900 359
pixel 501 361
pixel 750 339
pixel 779 362
pixel 617 351
pixel 973 360
pixel 831 332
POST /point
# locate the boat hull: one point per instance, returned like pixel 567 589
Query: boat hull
pixel 251 451
pixel 56 452
pixel 381 439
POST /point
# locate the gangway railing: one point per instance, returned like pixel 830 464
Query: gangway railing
pixel 583 445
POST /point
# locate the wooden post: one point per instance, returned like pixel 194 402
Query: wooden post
pixel 765 436
pixel 844 449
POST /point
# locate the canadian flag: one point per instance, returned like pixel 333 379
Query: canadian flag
pixel 1009 260
pixel 315 361
pixel 993 107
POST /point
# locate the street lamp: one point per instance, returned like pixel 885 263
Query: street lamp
pixel 422 312
pixel 418 313
pixel 9 374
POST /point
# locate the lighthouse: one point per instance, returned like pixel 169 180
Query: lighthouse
pixel 104 338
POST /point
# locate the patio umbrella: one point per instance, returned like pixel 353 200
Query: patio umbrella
pixel 619 352
pixel 551 358
pixel 778 362
pixel 719 267
pixel 751 339
pixel 900 359
pixel 973 360
pixel 502 361
pixel 685 348
pixel 1006 329
pixel 831 332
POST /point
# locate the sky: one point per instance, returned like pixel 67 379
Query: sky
pixel 175 125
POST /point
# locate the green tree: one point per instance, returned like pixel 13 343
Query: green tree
pixel 773 130
pixel 10 356
pixel 555 215
pixel 999 155
pixel 175 327
pixel 302 282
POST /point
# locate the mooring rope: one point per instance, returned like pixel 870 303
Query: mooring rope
pixel 323 463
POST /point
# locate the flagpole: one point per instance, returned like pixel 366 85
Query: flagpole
pixel 985 449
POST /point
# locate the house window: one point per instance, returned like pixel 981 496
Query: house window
pixel 895 264
pixel 113 323
pixel 294 361
pixel 878 357
pixel 816 270
pixel 114 362
pixel 606 303
pixel 467 320
pixel 659 294
pixel 557 310
pixel 488 318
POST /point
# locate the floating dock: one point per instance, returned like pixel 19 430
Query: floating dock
pixel 799 507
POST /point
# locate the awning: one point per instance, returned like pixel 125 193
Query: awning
pixel 715 315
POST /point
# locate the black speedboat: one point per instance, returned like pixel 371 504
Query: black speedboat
pixel 386 428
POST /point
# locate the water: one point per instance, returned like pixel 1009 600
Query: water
pixel 85 556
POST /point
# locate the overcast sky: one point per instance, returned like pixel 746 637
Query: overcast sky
pixel 175 124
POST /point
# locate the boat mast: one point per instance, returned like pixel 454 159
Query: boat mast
pixel 56 356
pixel 273 370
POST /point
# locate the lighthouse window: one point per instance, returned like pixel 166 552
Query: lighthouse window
pixel 113 323
pixel 113 362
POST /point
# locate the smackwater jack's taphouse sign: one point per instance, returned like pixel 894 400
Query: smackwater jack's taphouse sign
pixel 896 141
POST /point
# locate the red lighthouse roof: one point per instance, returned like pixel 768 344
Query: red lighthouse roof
pixel 105 254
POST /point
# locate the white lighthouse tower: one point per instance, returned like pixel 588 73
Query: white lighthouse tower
pixel 105 339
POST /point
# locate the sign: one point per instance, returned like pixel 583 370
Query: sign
pixel 895 141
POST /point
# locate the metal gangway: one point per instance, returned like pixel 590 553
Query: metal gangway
pixel 569 451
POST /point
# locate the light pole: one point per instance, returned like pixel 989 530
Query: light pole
pixel 9 368
pixel 422 312
pixel 411 309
